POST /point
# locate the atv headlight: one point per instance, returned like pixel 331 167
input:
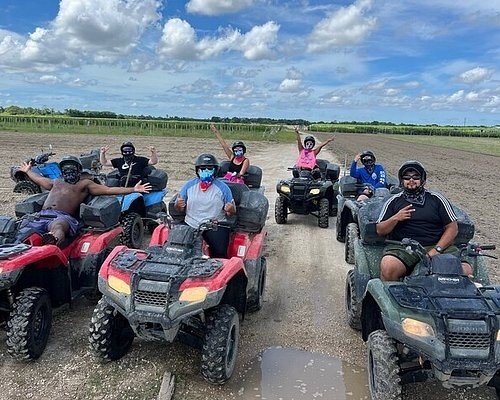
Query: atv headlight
pixel 417 328
pixel 314 191
pixel 285 189
pixel 194 294
pixel 119 285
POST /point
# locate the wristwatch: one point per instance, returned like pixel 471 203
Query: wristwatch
pixel 439 249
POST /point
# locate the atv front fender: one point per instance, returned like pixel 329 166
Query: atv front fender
pixel 386 304
pixel 231 268
pixel 127 200
pixel 154 197
pixel 49 256
pixel 94 242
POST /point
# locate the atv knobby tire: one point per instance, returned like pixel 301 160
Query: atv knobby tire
pixel 323 213
pixel 352 233
pixel 27 187
pixel 256 301
pixel 133 231
pixel 338 227
pixel 280 210
pixel 383 367
pixel 352 305
pixel 29 324
pixel 110 334
pixel 220 345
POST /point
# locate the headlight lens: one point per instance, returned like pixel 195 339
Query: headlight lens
pixel 417 328
pixel 314 191
pixel 285 189
pixel 194 294
pixel 118 284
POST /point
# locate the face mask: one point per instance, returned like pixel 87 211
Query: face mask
pixel 128 159
pixel 70 175
pixel 206 175
pixel 309 145
pixel 238 153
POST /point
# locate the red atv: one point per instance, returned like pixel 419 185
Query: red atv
pixel 175 290
pixel 34 278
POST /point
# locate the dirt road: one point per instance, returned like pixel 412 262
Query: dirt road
pixel 306 272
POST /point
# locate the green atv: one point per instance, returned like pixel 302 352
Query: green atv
pixel 434 324
pixel 348 209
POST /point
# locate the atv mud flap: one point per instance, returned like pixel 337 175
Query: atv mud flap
pixel 451 372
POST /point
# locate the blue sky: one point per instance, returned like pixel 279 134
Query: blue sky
pixel 410 61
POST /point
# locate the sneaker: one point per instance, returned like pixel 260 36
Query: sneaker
pixel 49 238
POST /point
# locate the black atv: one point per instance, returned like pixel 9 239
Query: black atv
pixel 308 192
pixel 434 324
pixel 348 208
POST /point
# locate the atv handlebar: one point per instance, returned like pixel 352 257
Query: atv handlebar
pixel 471 249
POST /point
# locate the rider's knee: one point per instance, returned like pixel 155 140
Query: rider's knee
pixel 467 269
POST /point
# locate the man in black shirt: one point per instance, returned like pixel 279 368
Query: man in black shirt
pixel 418 214
pixel 136 164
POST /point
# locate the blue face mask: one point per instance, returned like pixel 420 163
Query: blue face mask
pixel 238 153
pixel 206 174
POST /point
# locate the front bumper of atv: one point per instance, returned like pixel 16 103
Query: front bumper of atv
pixel 466 366
pixel 301 198
pixel 150 312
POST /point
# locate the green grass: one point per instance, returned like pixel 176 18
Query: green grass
pixel 69 125
pixel 481 145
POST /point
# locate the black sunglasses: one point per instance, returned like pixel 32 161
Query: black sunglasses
pixel 206 168
pixel 408 177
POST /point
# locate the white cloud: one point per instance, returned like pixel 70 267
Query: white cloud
pixel 290 85
pixel 217 7
pixel 179 41
pixel 49 79
pixel 84 31
pixel 259 43
pixel 475 75
pixel 345 27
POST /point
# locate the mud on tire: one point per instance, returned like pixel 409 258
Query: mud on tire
pixel 220 345
pixel 383 367
pixel 255 302
pixel 352 305
pixel 352 233
pixel 29 324
pixel 133 231
pixel 323 213
pixel 110 334
pixel 280 210
pixel 27 187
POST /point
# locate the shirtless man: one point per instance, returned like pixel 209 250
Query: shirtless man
pixel 63 202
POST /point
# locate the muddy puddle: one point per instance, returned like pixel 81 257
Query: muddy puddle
pixel 290 374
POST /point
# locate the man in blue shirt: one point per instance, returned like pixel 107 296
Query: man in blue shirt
pixel 370 173
pixel 205 198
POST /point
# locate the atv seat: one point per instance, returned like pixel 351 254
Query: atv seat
pixel 252 178
pixel 156 177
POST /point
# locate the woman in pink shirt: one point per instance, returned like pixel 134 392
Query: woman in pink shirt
pixel 307 152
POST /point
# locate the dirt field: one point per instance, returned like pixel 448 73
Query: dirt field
pixel 306 272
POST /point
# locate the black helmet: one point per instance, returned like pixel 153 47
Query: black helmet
pixel 206 160
pixel 127 146
pixel 70 160
pixel 367 155
pixel 412 165
pixel 310 139
pixel 239 144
